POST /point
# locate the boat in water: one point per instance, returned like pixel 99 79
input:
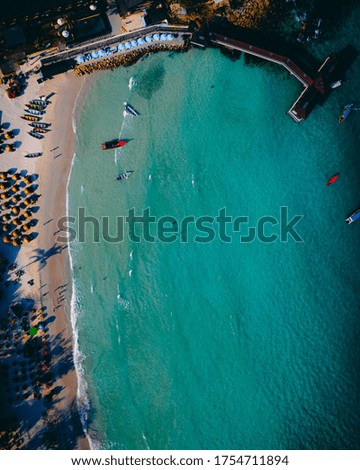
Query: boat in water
pixel 346 111
pixel 353 217
pixel 31 118
pixel 332 179
pixel 130 110
pixel 33 155
pixel 113 144
pixel 125 175
pixel 36 135
pixel 336 84
pixel 39 125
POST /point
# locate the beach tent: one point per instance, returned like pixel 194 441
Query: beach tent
pixel 148 38
pixel 121 47
pixel 163 37
pixel 169 37
pixel 127 45
pixel 156 37
pixel 140 41
pixel 134 43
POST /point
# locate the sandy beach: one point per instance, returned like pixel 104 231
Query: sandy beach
pixel 44 261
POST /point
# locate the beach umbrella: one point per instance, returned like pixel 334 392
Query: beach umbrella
pixel 94 54
pixel 3 196
pixel 65 34
pixel 27 180
pixel 127 45
pixel 140 41
pixel 2 186
pixel 33 331
pixel 15 243
pixel 156 37
pixel 61 21
pixel 16 176
pixel 93 7
pixel 27 214
pixel 112 50
pixel 148 39
pixel 5 217
pixel 6 227
pixel 26 240
pixel 163 37
pixel 15 188
pixel 16 222
pixel 3 175
pixel 25 228
pixel 121 47
pixel 26 202
pixel 134 43
pixel 15 233
pixel 169 37
pixel 80 59
pixel 15 210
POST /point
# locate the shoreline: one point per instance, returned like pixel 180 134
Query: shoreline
pixel 51 269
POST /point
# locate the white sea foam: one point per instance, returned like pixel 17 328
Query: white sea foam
pixel 130 273
pixel 144 438
pixel 132 83
pixel 92 289
pixel 192 181
pixel 131 254
pixel 82 189
pixel 150 177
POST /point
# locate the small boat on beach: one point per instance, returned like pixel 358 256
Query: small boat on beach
pixel 345 112
pixel 332 179
pixel 35 106
pixel 41 130
pixel 353 217
pixel 34 111
pixel 130 110
pixel 40 102
pixel 113 144
pixel 36 135
pixel 30 118
pixel 125 175
pixel 40 125
pixel 33 155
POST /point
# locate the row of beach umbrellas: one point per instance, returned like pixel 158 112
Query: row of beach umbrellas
pixel 124 46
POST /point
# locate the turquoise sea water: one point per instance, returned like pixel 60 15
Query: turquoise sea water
pixel 219 345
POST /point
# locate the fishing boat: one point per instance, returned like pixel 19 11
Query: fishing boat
pixel 332 179
pixel 35 106
pixel 336 84
pixel 33 155
pixel 353 217
pixel 130 110
pixel 124 176
pixel 40 102
pixel 34 111
pixel 113 144
pixel 39 125
pixel 36 135
pixel 30 118
pixel 345 112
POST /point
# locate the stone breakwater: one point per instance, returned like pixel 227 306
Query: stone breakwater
pixel 126 59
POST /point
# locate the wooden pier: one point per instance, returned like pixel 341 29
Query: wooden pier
pixel 314 88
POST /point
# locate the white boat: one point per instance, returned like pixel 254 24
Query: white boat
pixel 336 84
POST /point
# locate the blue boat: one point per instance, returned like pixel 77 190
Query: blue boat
pixel 353 217
pixel 346 111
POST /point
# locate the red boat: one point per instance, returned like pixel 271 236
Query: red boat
pixel 332 179
pixel 113 144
